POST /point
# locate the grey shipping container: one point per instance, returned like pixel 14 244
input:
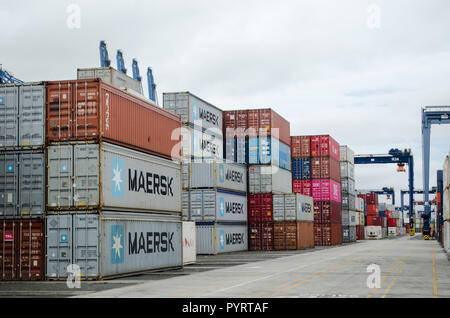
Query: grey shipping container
pixel 87 175
pixel 214 238
pixel 348 201
pixel 353 218
pixel 345 234
pixel 199 145
pixel 111 76
pixel 194 110
pixel 347 154
pixel 347 185
pixel 347 170
pixel 185 204
pixel 346 217
pixel 292 207
pixel 111 243
pixel 217 205
pixel 269 179
pixel 22 184
pixel 22 114
pixel 305 208
pixel 228 176
pixel 352 233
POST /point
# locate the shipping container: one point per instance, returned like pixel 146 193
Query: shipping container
pixel 88 175
pixel 235 123
pixel 327 212
pixel 260 236
pixel 194 111
pixel 392 231
pixel 217 205
pixel 373 232
pixel 285 235
pixel 359 204
pixel 326 190
pixel 22 184
pixel 352 233
pixel 348 201
pixel 112 243
pixel 347 170
pixel 305 235
pixel 324 146
pixel 330 234
pixel 267 122
pixel 228 176
pixel 111 76
pixel 325 168
pixel 189 243
pixel 375 221
pixel 199 146
pixel 372 209
pixel 446 205
pixel 446 236
pixel 22 114
pixel 269 179
pixel 345 217
pixel 22 249
pixel 348 186
pixel 80 110
pixel 345 233
pixel 301 146
pixel 292 207
pixel 260 207
pixel 268 150
pixel 360 235
pixel 301 168
pixel 392 222
pixel 214 238
pixel 236 149
pixel 347 154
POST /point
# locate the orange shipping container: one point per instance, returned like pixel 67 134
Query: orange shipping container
pixel 305 235
pixel 80 110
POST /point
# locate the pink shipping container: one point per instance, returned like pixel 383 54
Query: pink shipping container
pixel 326 190
pixel 323 146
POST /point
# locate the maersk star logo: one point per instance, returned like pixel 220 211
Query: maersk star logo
pixel 117 177
pixel 222 240
pixel 221 173
pixel 194 110
pixel 10 168
pixel 222 207
pixel 117 244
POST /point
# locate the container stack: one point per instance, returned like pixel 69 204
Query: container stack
pixel 446 204
pixel 375 223
pixel 317 173
pixel 393 220
pixel 214 191
pixel 360 209
pixel 350 218
pixel 22 181
pixel 113 182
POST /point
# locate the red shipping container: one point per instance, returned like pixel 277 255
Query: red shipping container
pixel 331 234
pixel 272 124
pixel 329 147
pixel 296 147
pixel 261 236
pixel 317 234
pixel 22 249
pixel 260 207
pixel 330 169
pixel 253 122
pixel 315 167
pixel 230 119
pixel 372 209
pixel 307 187
pixel 315 146
pixel 285 235
pixel 391 222
pixel 374 220
pixel 317 212
pixel 305 235
pixel 371 198
pixel 331 212
pixel 80 110
pixel 360 235
pixel 297 186
pixel 306 146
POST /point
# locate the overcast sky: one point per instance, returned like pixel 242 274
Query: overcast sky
pixel 358 70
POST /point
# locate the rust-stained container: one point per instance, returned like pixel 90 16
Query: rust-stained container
pixel 285 235
pixel 305 235
pixel 301 146
pixel 331 234
pixel 325 168
pixel 22 249
pixel 79 110
pixel 260 236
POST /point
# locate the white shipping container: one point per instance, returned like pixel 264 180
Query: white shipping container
pixel 361 218
pixel 446 173
pixel 189 243
pixel 214 238
pixel 353 218
pixel 111 76
pixel 359 204
pixel 347 170
pixel 446 205
pixel 392 231
pixel 194 111
pixel 217 205
pixel 347 154
pixel 228 176
pixel 85 175
pixel 373 232
pixel 269 179
pixel 305 208
pixel 200 146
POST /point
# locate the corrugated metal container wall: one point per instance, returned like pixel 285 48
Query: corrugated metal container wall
pixel 348 201
pixel 261 236
pixel 22 109
pixel 446 236
pixel 22 249
pixel 373 232
pixel 323 146
pixel 446 205
pixel 347 170
pixel 214 238
pixel 326 190
pixel 348 186
pixel 300 146
pixel 347 154
pixel 360 232
pixel 218 205
pixel 325 168
pixel 110 76
pixel 199 145
pixel 346 217
pixel 446 173
pixel 81 110
pixel 327 212
pixel 112 244
pixel 189 243
pixel 266 150
pixel 331 234
pixel 305 235
pixel 226 176
pixel 260 207
pixel 22 184
pixel 194 110
pixel 105 175
pixel 305 208
pixel 352 233
pixel 285 235
pixel 269 179
pixel 345 234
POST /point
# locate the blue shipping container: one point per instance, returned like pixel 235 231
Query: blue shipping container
pixel 297 169
pixel 306 168
pixel 267 150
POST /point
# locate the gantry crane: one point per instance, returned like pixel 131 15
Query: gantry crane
pixel 399 157
pixel 7 78
pixel 384 191
pixel 430 115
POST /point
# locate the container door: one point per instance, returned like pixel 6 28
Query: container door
pixel 278 207
pixel 86 109
pixel 206 239
pixel 266 153
pixel 196 206
pixel 9 170
pixel 59 245
pixel 241 150
pixel 85 244
pixel 8 116
pixel 8 250
pixel 290 210
pixel 185 168
pixel 86 175
pixel 31 250
pixel 210 208
pixel 253 152
pixel 254 173
pixel 185 204
pixel 60 189
pixel 59 111
pixel 31 115
pixel 31 184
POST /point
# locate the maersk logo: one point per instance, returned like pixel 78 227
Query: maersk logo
pixel 222 206
pixel 222 239
pixel 2 101
pixel 10 168
pixel 64 168
pixel 117 171
pixel 117 244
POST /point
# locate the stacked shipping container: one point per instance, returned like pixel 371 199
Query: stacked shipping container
pixel 315 165
pixel 350 218
pixel 360 209
pixel 374 222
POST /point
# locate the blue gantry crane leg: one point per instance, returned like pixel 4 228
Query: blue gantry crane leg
pixel 398 157
pixel 430 115
pixel 403 192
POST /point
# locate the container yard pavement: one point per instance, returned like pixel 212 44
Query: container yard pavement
pixel 409 266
